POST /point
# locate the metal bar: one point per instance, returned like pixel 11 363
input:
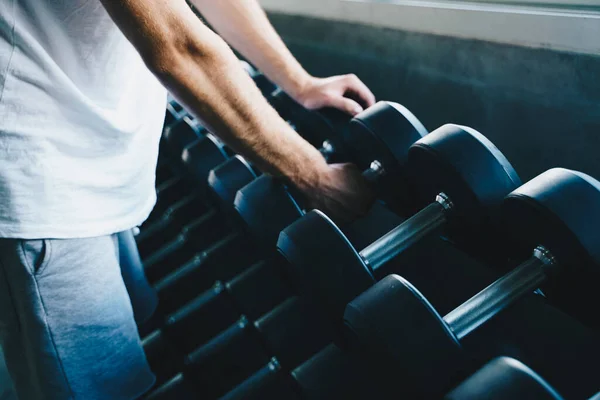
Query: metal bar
pixel 405 235
pixel 500 294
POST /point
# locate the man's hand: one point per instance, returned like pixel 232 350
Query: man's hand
pixel 341 192
pixel 346 93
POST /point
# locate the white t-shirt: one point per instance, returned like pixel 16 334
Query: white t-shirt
pixel 80 122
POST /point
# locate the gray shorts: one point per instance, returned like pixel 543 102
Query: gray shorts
pixel 66 321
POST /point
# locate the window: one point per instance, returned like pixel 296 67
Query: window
pixel 583 5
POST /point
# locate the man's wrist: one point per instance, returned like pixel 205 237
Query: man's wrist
pixel 298 86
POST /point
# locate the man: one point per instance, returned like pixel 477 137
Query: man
pixel 80 119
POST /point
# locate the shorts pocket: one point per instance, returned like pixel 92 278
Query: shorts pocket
pixel 36 254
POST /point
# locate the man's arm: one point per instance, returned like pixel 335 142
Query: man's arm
pixel 201 71
pixel 244 25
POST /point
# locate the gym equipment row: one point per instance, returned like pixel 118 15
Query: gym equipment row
pixel 261 296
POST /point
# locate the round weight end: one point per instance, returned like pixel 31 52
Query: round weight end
pixel 265 207
pixel 383 132
pixel 467 167
pixel 181 134
pixel 393 324
pixel 323 262
pixel 559 209
pixel 202 156
pixel 229 177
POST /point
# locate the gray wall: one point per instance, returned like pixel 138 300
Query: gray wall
pixel 540 107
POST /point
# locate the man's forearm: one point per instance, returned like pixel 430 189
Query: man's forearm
pixel 200 69
pixel 244 25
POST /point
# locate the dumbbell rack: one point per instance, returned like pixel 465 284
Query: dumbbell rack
pixel 184 227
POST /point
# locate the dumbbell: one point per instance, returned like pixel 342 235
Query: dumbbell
pixel 395 326
pixel 469 173
pixel 501 379
pixel 243 348
pixel 266 205
pixel 322 129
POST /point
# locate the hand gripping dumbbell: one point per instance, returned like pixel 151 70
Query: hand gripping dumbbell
pixel 501 379
pixel 323 129
pixel 472 179
pixel 385 131
pixel 395 326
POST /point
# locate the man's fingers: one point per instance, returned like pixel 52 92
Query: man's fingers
pixel 345 104
pixel 358 88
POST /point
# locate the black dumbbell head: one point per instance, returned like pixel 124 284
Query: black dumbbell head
pixel 467 167
pixel 560 210
pixel 266 207
pixel 202 156
pixel 394 324
pixel 383 132
pixel 335 270
pixel 501 379
pixel 229 177
pixel 181 134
